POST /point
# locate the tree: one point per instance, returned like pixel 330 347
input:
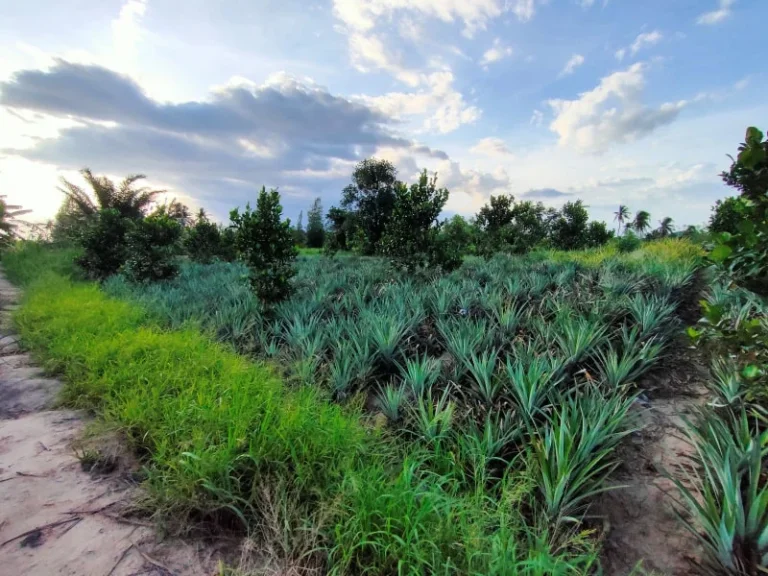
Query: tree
pixel 315 228
pixel 341 229
pixel 152 248
pixel 457 235
pixel 265 242
pixel 371 198
pixel 598 234
pixel 299 237
pixel 569 228
pixel 666 227
pixel 8 222
pixel 79 207
pixel 728 214
pixel 411 236
pixel 621 216
pixel 496 214
pixel 641 222
pixel 203 241
pixel 103 243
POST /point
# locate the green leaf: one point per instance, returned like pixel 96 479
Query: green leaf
pixel 693 334
pixel 750 372
pixel 746 227
pixel 754 136
pixel 720 253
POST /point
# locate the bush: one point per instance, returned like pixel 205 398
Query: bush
pixel 203 241
pixel 629 242
pixel 104 244
pixel 569 228
pixel 728 214
pixel 265 242
pixel 598 234
pixel 152 249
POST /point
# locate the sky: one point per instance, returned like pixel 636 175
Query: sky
pixel 608 101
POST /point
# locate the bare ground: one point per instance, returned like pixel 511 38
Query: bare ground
pixel 54 517
pixel 643 533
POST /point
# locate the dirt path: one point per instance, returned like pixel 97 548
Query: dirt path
pixel 54 517
pixel 643 529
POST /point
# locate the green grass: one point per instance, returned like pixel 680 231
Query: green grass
pixel 27 261
pixel 224 441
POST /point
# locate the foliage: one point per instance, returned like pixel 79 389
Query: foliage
pixel 27 261
pixel 81 208
pixel 628 242
pixel 412 234
pixel 509 226
pixel 203 241
pixel 745 253
pixel 641 222
pixel 9 224
pixel 371 198
pixel 621 216
pixel 341 230
pixel 597 234
pixel 728 214
pixel 457 235
pixel 299 235
pixel 104 243
pixel 266 244
pixel 152 247
pixel 570 226
pixel 315 228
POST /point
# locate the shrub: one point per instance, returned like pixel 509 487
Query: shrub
pixel 152 248
pixel 203 241
pixel 103 242
pixel 266 244
pixel 728 214
pixel 629 242
pixel 598 234
pixel 569 228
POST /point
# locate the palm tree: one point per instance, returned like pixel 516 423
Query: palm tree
pixel 621 216
pixel 666 227
pixel 8 222
pixel 642 221
pixel 131 202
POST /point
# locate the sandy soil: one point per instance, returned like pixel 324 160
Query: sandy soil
pixel 54 517
pixel 642 527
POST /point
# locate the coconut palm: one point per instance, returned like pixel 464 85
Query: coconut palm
pixel 666 227
pixel 642 221
pixel 621 215
pixel 130 201
pixel 8 222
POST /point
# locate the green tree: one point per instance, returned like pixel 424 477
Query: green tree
pixel 666 227
pixel 371 198
pixel 265 242
pixel 642 222
pixel 341 230
pixel 411 237
pixel 103 243
pixel 728 214
pixel 457 235
pixel 152 248
pixel 315 228
pixel 507 226
pixel 569 228
pixel 203 240
pixel 9 222
pixel 497 214
pixel 80 207
pixel 299 236
pixel 621 215
pixel 597 234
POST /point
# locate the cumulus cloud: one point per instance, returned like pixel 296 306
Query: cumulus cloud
pixel 443 108
pixel 474 15
pixel 523 9
pixel 285 132
pixel 368 52
pixel 537 118
pixel 642 41
pixel 493 147
pixel 611 113
pixel 495 53
pixel 574 62
pixel 716 16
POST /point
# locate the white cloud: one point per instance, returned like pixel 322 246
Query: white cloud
pixel 493 147
pixel 575 61
pixel 645 39
pixel 586 3
pixel 716 16
pixel 610 113
pixel 362 16
pixel 410 29
pixel 127 31
pixel 620 53
pixel 443 107
pixel 368 52
pixel 495 53
pixel 537 118
pixel 523 9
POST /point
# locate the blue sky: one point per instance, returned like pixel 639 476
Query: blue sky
pixel 610 101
